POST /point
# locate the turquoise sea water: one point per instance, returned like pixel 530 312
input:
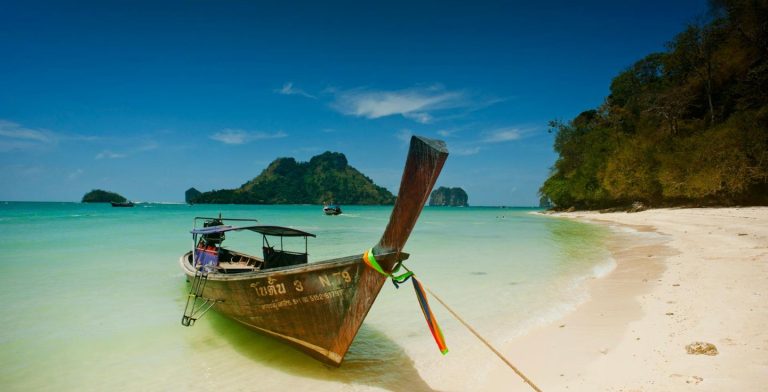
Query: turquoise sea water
pixel 92 296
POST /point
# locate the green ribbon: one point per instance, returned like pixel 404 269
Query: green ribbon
pixel 370 260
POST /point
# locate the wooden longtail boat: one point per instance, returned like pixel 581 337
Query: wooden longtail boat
pixel 316 307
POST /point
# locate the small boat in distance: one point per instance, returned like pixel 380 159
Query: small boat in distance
pixel 332 209
pixel 122 204
pixel 315 307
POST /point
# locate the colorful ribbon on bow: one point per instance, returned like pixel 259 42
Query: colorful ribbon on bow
pixel 370 260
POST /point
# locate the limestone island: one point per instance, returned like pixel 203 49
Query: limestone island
pixel 191 194
pixel 326 178
pixel 453 197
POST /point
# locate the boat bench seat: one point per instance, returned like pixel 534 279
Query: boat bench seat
pixel 235 267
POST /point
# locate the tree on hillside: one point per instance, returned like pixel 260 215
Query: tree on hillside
pixel 688 125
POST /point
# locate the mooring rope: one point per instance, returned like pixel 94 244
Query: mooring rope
pixel 369 258
pixel 498 354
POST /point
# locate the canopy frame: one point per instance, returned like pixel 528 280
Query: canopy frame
pixel 264 230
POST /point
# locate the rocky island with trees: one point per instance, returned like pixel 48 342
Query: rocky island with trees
pixel 326 178
pixel 191 194
pixel 102 196
pixel 687 126
pixel 453 197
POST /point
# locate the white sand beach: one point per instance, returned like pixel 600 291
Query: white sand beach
pixel 702 278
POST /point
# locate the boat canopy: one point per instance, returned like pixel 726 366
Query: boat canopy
pixel 278 231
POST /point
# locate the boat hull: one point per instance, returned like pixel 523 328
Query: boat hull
pixel 317 308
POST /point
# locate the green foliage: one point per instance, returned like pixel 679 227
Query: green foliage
pixel 630 172
pixel 723 162
pixel 100 196
pixel 689 125
pixel 325 178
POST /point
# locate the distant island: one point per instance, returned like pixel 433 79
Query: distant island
pixel 326 178
pixel 687 126
pixel 454 197
pixel 191 194
pixel 101 196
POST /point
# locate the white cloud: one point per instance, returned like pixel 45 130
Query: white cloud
pixel 239 136
pixel 449 132
pixel 289 89
pixel 75 174
pixel 108 154
pixel 230 136
pixel 148 146
pixel 495 136
pixel 503 135
pixel 413 103
pixel 404 135
pixel 14 136
pixel 13 130
pixel 421 117
pixel 464 151
pixel 144 146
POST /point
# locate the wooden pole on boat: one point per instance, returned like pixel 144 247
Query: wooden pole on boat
pixel 487 344
pixel 426 158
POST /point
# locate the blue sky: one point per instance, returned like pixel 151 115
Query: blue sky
pixel 148 99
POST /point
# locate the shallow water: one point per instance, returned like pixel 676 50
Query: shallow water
pixel 92 296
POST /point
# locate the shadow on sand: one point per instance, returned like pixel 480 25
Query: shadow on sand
pixel 373 359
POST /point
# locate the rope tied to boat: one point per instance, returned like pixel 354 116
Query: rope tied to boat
pixel 370 260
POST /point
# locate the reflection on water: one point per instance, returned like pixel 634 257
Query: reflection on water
pixel 373 359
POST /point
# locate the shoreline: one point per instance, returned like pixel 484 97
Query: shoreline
pixel 682 276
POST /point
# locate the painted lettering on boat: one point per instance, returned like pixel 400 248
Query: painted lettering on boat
pixel 327 296
pixel 334 280
pixel 272 289
pixel 338 277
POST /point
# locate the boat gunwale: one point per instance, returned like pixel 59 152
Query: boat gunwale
pixel 287 270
